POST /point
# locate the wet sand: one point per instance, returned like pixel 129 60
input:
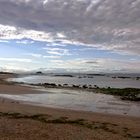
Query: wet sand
pixel 111 127
pixel 16 89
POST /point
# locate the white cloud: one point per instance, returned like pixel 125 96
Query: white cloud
pixel 34 55
pixel 24 42
pixel 4 41
pixel 56 44
pixel 57 51
pixel 96 65
pixel 57 61
pixel 16 59
pixel 51 56
pixel 10 32
pixel 60 35
pixel 108 23
pixel 74 65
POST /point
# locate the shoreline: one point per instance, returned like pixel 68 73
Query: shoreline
pixel 112 127
pixel 14 88
pixel 128 93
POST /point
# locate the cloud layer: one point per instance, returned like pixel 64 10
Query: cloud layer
pixel 109 24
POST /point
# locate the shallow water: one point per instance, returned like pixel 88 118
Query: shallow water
pixel 79 100
pixel 101 81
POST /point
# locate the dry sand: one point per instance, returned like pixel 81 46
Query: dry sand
pixel 105 127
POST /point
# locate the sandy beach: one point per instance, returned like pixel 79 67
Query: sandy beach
pixel 59 124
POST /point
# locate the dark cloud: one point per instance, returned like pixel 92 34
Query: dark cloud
pixel 91 62
pixel 114 24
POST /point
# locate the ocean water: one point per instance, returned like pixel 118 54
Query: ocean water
pixel 101 81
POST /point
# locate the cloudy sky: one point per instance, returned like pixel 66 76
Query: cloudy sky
pixel 70 35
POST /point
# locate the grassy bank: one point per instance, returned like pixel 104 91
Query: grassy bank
pixel 132 94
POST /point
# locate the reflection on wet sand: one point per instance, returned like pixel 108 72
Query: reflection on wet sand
pixel 79 100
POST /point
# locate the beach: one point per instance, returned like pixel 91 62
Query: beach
pixel 20 121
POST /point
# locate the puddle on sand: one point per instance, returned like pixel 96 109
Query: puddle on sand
pixel 79 100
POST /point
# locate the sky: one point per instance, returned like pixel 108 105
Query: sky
pixel 70 35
